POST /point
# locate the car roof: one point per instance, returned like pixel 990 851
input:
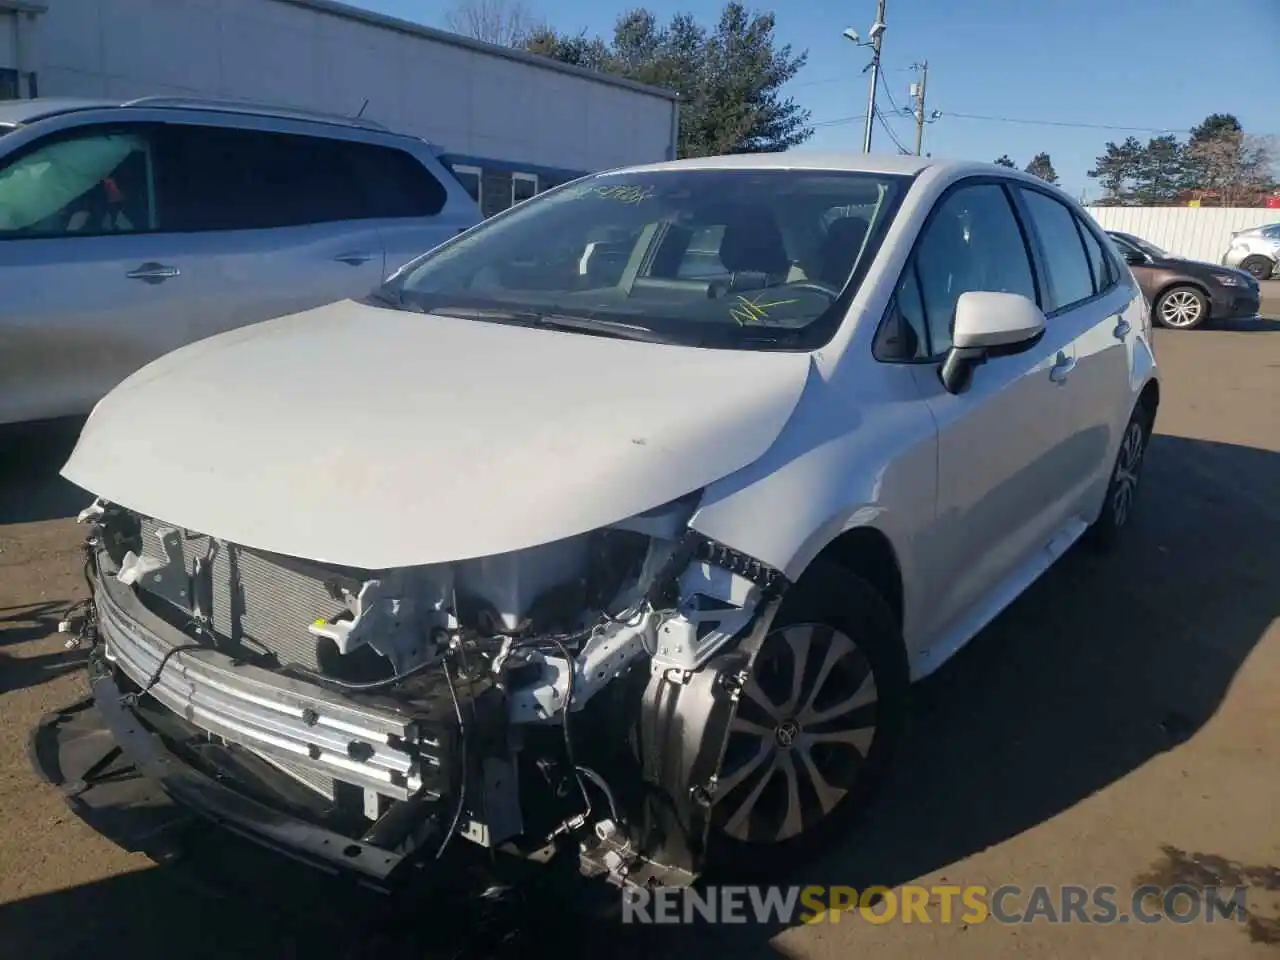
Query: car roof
pixel 17 112
pixel 800 160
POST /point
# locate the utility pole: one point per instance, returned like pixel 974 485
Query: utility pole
pixel 917 94
pixel 877 36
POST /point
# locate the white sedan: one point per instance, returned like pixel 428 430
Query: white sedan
pixel 698 464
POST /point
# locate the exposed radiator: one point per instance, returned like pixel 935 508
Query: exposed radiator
pixel 256 599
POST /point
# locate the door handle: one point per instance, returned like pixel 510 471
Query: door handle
pixel 354 259
pixel 1122 329
pixel 1062 368
pixel 152 272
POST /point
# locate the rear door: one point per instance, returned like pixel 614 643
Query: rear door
pixel 1085 301
pixel 1001 491
pixel 271 222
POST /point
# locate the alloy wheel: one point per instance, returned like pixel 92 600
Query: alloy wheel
pixel 1128 467
pixel 1181 308
pixel 805 725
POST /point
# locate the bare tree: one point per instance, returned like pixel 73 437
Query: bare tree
pixel 508 23
pixel 1234 167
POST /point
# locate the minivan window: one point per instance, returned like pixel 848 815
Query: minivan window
pixel 223 178
pixel 622 247
pixel 1066 263
pixel 93 182
pixel 394 183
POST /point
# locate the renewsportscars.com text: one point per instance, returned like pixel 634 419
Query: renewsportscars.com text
pixel 942 904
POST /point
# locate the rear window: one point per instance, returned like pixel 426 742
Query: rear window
pixel 395 183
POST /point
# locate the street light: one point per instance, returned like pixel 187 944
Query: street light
pixel 875 36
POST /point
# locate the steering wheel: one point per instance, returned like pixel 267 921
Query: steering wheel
pixel 813 285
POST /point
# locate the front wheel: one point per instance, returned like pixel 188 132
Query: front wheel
pixel 1259 267
pixel 818 720
pixel 1182 308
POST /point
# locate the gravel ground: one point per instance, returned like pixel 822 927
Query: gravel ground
pixel 1119 721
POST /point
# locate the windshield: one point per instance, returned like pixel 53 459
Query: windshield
pixel 1150 249
pixel 732 258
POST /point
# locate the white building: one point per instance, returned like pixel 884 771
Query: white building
pixel 509 123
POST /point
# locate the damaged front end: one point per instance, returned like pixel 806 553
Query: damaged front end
pixel 568 702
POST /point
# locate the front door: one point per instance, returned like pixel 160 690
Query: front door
pixel 1001 493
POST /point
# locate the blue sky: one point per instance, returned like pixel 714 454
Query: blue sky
pixel 1157 65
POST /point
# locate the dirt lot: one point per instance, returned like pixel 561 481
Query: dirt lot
pixel 1120 721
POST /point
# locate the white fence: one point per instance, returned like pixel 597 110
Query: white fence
pixel 1198 233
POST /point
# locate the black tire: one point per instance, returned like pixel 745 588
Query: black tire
pixel 843 610
pixel 1181 308
pixel 1126 477
pixel 1258 266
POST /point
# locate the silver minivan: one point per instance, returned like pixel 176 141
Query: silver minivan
pixel 128 229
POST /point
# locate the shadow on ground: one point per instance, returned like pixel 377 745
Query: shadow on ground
pixel 1248 325
pixel 1103 665
pixel 21 624
pixel 30 488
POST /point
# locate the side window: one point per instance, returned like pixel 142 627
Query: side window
pixel 395 183
pixel 904 335
pixel 1065 261
pixel 469 177
pixel 523 186
pixel 94 182
pixel 1104 276
pixel 972 242
pixel 221 178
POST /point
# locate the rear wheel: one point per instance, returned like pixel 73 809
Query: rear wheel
pixel 817 723
pixel 1181 308
pixel 1259 267
pixel 1126 475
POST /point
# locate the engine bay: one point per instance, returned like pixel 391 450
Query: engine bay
pixel 573 697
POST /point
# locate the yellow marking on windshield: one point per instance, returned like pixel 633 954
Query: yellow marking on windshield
pixel 749 311
pixel 629 193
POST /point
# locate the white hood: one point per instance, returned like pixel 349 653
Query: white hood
pixel 379 438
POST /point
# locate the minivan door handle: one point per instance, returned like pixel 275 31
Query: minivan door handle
pixel 1122 329
pixel 354 259
pixel 151 272
pixel 1062 368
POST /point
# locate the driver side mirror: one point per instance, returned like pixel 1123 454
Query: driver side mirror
pixel 1133 257
pixel 988 324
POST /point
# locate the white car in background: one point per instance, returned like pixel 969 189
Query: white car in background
pixel 130 228
pixel 615 530
pixel 1256 251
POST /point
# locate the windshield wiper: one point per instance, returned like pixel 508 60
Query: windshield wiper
pixel 558 321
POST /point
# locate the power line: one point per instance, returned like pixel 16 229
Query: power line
pixel 889 96
pixel 889 130
pixel 838 121
pixel 1062 123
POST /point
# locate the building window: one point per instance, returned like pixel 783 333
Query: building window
pixel 9 84
pixel 496 192
pixel 470 178
pixel 523 186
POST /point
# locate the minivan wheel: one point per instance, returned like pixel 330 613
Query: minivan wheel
pixel 1122 491
pixel 1181 308
pixel 1259 267
pixel 817 722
